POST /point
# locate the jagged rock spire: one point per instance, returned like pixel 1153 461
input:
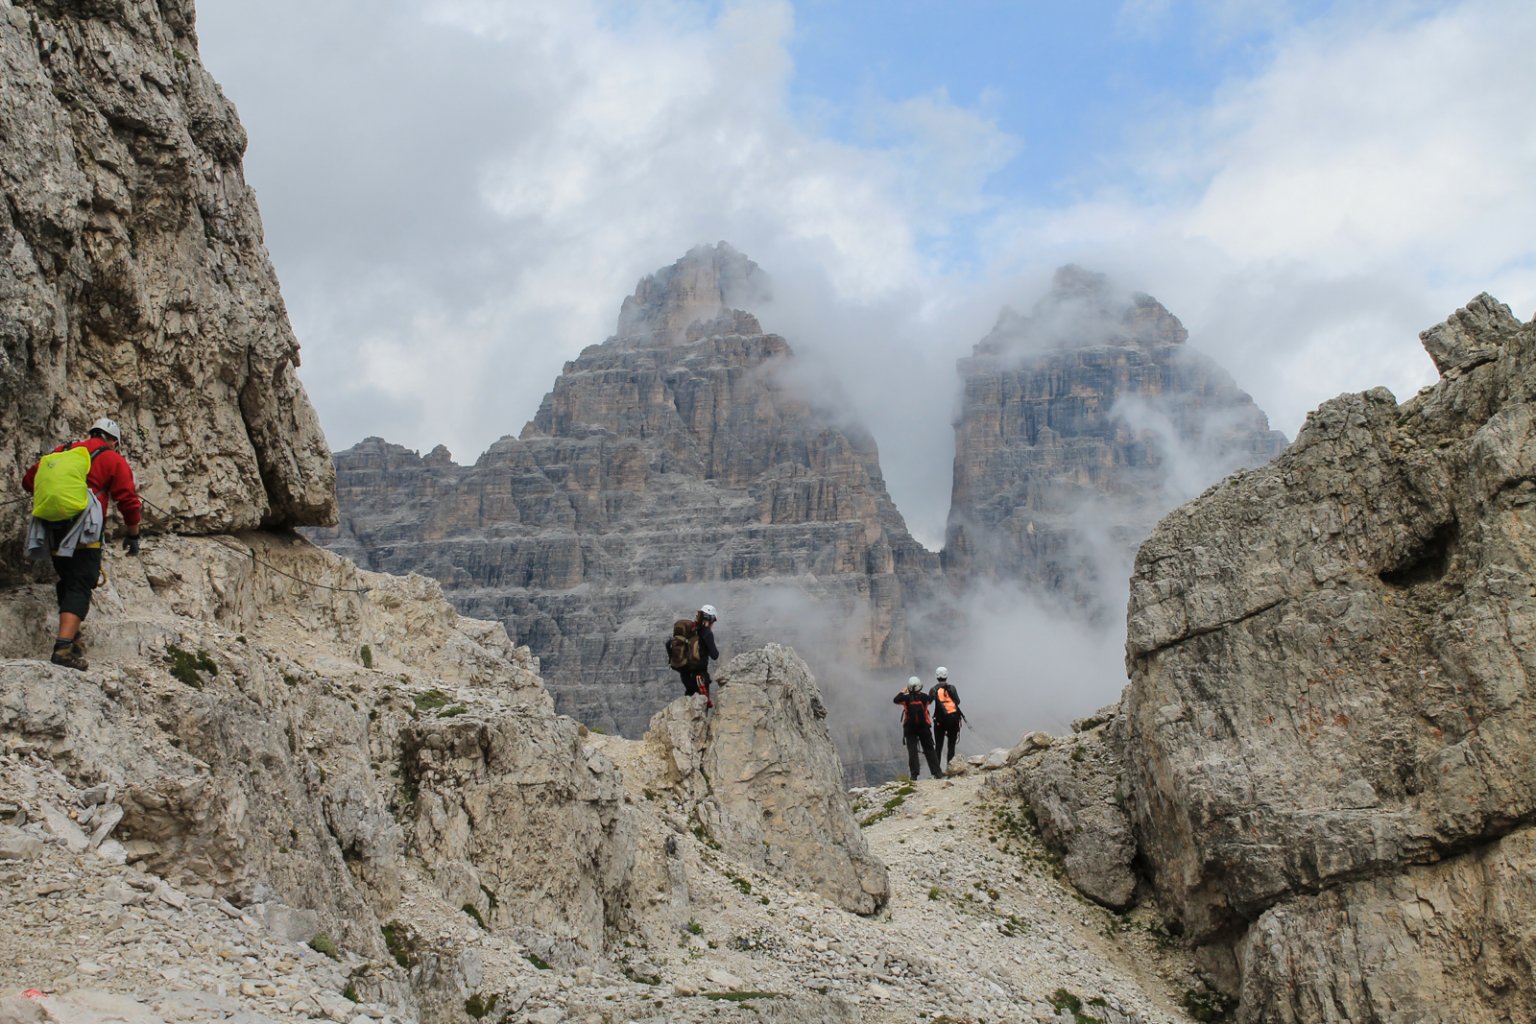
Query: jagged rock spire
pixel 709 281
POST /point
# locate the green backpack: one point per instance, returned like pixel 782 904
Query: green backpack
pixel 59 490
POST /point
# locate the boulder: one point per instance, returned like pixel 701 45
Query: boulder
pixel 1075 789
pixel 760 776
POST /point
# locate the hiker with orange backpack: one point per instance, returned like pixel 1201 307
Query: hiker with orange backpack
pixel 690 649
pixel 947 715
pixel 70 487
pixel 916 727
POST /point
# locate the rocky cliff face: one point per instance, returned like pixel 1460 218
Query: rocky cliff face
pixel 1079 427
pixel 677 463
pixel 1325 747
pixel 324 751
pixel 134 279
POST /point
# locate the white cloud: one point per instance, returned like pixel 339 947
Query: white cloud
pixel 458 195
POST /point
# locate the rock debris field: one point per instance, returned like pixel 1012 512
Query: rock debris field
pixel 979 928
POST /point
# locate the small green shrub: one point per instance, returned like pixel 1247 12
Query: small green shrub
pixel 478 1007
pixel 694 928
pixel 400 943
pixel 741 997
pixel 185 665
pixel 366 655
pixel 429 701
pixel 322 944
pixel 934 892
pixel 474 914
pixel 453 712
pixel 538 962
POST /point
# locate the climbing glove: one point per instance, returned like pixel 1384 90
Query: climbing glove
pixel 131 544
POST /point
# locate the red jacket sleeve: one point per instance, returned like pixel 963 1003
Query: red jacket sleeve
pixel 111 475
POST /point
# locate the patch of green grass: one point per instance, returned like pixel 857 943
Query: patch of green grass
pixel 538 962
pixel 903 790
pixel 453 712
pixel 934 892
pixel 741 997
pixel 366 656
pixel 703 836
pixel 474 914
pixel 694 928
pixel 185 665
pixel 429 701
pixel 1013 926
pixel 350 992
pixel 322 944
pixel 1061 1000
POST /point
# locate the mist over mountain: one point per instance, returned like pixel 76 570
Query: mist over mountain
pixel 693 458
pixel 675 464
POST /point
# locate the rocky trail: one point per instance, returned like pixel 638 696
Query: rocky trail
pixel 979 927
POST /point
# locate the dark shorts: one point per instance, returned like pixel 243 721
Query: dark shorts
pixel 77 578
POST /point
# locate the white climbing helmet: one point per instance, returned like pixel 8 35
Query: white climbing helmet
pixel 941 673
pixel 914 683
pixel 108 427
pixel 708 611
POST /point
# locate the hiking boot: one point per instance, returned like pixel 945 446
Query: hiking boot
pixel 79 645
pixel 69 657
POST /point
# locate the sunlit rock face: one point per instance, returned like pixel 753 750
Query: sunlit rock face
pixel 134 280
pixel 678 463
pixel 1079 427
pixel 1328 748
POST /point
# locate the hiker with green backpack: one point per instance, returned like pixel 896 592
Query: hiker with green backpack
pixel 70 487
pixel 690 649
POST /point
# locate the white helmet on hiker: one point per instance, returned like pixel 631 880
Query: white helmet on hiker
pixel 941 673
pixel 708 611
pixel 914 683
pixel 106 426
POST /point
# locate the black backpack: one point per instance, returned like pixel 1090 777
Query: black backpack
pixel 683 651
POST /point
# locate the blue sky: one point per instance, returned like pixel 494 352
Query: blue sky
pixel 458 194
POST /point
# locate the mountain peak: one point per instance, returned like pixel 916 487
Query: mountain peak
pixel 1084 309
pixel 709 281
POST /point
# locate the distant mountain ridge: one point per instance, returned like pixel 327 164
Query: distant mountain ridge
pixel 678 463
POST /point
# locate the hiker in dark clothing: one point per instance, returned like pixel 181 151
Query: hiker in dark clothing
pixel 916 727
pixel 75 542
pixel 694 671
pixel 946 714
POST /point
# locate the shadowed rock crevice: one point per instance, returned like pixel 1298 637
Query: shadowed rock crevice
pixel 1428 562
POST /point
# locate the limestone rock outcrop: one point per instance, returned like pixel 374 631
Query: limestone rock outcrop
pixel 761 777
pixel 1076 789
pixel 506 807
pixel 133 276
pixel 677 463
pixel 1079 427
pixel 1328 728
